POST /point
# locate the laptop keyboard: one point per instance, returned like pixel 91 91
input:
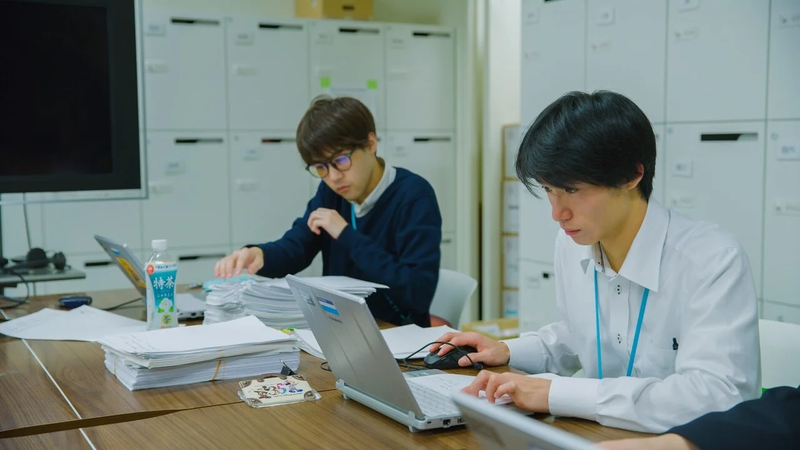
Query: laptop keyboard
pixel 433 403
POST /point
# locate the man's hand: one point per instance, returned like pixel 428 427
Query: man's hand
pixel 232 265
pixel 530 394
pixel 664 442
pixel 328 220
pixel 490 352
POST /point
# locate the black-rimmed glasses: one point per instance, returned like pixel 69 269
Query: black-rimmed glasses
pixel 340 162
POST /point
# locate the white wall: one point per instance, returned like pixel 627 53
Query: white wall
pixel 501 106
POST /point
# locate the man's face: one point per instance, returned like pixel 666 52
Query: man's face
pixel 588 213
pixel 352 182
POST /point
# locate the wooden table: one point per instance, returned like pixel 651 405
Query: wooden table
pixel 95 407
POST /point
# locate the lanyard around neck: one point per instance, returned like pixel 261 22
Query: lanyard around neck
pixel 353 216
pixel 635 336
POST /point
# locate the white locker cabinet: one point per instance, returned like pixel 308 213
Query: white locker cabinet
pixel 101 274
pixel 196 265
pixel 537 296
pixel 269 186
pixel 184 71
pixel 448 249
pixel 348 59
pixel 15 241
pixel 431 156
pixel 782 214
pixel 510 261
pixel 189 202
pixel 420 78
pixel 267 73
pixel 626 51
pixel 658 180
pixel 781 313
pixel 784 60
pixel 715 173
pixel 70 227
pixel 717 60
pixel 511 193
pixel 553 46
pixel 537 229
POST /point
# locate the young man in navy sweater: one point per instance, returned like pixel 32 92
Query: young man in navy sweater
pixel 371 221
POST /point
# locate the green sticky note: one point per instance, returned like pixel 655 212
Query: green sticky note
pixel 325 82
pixel 372 84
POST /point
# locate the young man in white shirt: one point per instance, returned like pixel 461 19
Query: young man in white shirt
pixel 659 310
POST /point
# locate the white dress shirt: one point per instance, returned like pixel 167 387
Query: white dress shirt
pixel 389 173
pixel 702 298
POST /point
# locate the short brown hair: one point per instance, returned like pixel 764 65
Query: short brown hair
pixel 333 125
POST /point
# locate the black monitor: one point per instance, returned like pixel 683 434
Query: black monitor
pixel 69 96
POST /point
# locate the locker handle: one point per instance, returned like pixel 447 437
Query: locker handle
pixel 188 21
pixel 277 140
pixel 431 139
pixel 728 137
pixel 96 263
pixel 280 26
pixel 196 257
pixel 199 141
pixel 446 241
pixel 546 275
pixel 359 30
pixel 430 34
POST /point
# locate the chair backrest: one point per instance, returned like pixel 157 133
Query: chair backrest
pixel 780 353
pixel 452 293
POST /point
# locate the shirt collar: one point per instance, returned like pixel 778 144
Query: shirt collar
pixel 389 173
pixel 642 265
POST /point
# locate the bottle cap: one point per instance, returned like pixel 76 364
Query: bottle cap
pixel 160 245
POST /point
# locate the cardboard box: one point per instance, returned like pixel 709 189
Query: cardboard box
pixel 497 329
pixel 334 9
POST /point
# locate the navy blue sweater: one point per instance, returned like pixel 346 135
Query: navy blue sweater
pixel 396 243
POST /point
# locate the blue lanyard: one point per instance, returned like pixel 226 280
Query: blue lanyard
pixel 597 327
pixel 353 216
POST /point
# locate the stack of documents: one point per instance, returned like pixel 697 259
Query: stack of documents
pixel 272 300
pixel 83 323
pixel 402 341
pixel 238 348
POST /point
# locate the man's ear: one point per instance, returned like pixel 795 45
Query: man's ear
pixel 373 143
pixel 634 183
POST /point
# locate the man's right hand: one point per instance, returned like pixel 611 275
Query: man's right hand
pixel 490 352
pixel 232 265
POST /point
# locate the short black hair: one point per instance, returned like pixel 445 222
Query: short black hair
pixel 596 138
pixel 332 125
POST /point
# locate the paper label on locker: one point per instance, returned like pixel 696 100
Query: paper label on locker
pixel 245 70
pixel 787 207
pixel 682 169
pixel 601 46
pixel 324 38
pixel 687 34
pixel 531 17
pixel 251 154
pixel 605 16
pixel 155 29
pixel 688 5
pixel 397 43
pixel 789 19
pixel 244 38
pixel 156 66
pixel 789 151
pixel 174 167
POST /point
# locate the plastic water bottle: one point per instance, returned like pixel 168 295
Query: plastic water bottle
pixel 161 273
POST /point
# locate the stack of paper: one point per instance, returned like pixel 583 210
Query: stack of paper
pixel 402 341
pixel 238 348
pixel 272 301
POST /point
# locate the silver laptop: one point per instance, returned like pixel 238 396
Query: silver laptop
pixel 497 428
pixel 190 306
pixel 361 361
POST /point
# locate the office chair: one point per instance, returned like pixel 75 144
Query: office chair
pixel 452 293
pixel 780 353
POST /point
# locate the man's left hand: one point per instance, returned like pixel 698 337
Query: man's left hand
pixel 328 220
pixel 530 394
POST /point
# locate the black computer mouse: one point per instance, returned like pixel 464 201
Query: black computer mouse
pixel 450 359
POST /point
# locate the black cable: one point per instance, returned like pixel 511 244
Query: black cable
pixel 412 366
pixel 18 301
pixel 111 308
pixel 325 363
pixel 25 218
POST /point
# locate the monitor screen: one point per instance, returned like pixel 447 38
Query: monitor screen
pixel 68 96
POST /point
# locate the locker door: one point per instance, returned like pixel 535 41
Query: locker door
pixel 784 60
pixel 70 226
pixel 781 313
pixel 715 173
pixel 717 60
pixel 420 72
pixel 268 186
pixel 537 296
pixel 553 53
pixel 101 274
pixel 189 190
pixel 196 265
pixel 782 214
pixel 537 229
pixel 15 240
pixel 432 157
pixel 347 58
pixel 627 51
pixel 184 70
pixel 267 73
pixel 448 249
